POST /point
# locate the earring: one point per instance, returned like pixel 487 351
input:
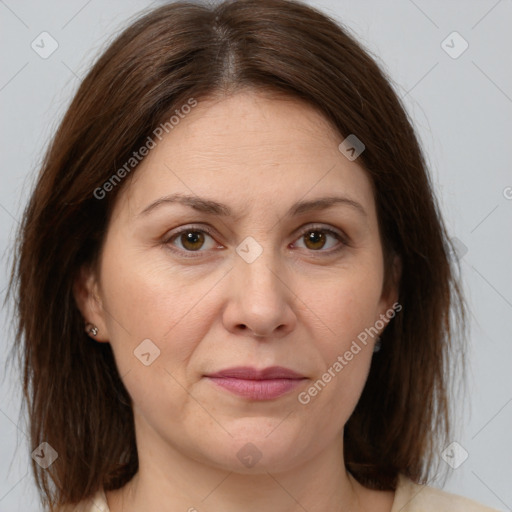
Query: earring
pixel 378 345
pixel 92 329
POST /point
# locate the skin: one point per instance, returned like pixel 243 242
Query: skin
pixel 299 305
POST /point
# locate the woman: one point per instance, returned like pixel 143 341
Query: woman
pixel 233 281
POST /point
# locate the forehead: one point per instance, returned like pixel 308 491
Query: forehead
pixel 250 148
pixel 274 129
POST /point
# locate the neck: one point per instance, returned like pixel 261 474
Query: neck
pixel 169 480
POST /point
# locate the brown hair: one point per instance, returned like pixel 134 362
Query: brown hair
pixel 76 399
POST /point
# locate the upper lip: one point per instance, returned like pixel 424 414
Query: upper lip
pixel 249 373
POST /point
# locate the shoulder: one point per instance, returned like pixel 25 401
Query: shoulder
pixel 412 497
pixel 97 503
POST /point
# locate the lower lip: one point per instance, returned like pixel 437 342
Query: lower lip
pixel 266 389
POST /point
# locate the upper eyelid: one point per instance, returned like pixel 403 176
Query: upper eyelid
pixel 207 230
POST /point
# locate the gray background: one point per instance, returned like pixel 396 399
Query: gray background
pixel 462 108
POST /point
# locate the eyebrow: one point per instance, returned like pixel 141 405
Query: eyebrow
pixel 209 206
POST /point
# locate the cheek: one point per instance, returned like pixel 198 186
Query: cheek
pixel 344 304
pixel 154 302
pixel 330 400
pixel 148 302
pixel 148 293
pixel 347 307
pixel 159 399
pixel 345 363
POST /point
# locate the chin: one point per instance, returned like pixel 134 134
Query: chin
pixel 255 448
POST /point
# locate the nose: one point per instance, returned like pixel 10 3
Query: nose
pixel 260 302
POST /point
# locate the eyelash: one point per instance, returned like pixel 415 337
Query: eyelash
pixel 204 229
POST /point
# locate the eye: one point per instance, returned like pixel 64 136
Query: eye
pixel 317 239
pixel 192 240
pixel 195 240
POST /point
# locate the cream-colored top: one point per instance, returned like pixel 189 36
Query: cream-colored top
pixel 409 497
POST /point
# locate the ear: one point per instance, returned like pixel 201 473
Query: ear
pixel 391 287
pixel 89 302
pixel 391 290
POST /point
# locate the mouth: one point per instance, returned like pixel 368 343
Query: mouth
pixel 248 382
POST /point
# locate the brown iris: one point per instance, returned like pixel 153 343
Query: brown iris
pixel 314 239
pixel 192 240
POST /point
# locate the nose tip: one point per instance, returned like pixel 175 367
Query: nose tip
pixel 261 305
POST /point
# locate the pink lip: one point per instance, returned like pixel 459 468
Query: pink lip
pixel 256 384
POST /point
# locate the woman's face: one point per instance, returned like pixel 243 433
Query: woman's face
pixel 253 268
